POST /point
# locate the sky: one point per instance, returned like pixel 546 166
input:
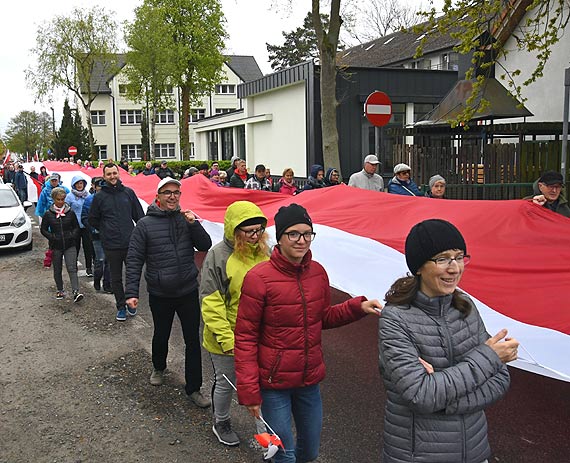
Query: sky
pixel 250 24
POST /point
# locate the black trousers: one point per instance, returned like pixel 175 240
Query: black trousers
pixel 88 252
pixel 116 259
pixel 188 310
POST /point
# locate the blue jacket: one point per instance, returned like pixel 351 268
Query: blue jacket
pixel 76 202
pixel 45 200
pixel 406 188
pixel 85 217
pixel 20 180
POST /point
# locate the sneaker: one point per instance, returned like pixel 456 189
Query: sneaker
pixel 203 402
pixel 131 311
pixel 121 314
pixel 107 289
pixel 89 272
pixel 59 295
pixel 157 377
pixel 97 285
pixel 225 434
pixel 77 296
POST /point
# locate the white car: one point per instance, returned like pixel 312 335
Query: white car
pixel 15 224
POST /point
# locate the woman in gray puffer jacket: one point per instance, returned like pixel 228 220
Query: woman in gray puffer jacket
pixel 440 367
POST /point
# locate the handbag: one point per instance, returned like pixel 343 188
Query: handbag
pixel 48 258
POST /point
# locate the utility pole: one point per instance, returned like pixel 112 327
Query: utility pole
pixel 565 122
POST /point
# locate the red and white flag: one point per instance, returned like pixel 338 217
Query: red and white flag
pixel 519 274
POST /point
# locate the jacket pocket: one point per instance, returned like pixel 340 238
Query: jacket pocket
pixel 274 367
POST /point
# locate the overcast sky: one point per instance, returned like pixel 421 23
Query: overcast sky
pixel 250 24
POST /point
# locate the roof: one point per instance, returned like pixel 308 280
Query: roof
pixel 103 73
pixel 393 49
pixel 245 67
pixel 501 103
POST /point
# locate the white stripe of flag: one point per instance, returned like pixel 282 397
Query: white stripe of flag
pixel 378 109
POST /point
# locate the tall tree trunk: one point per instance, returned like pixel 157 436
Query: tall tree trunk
pixel 184 117
pixel 328 44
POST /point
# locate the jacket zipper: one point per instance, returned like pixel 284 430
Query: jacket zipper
pixel 275 365
pixel 305 327
pixel 463 459
pixel 413 435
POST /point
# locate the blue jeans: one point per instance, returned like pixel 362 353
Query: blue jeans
pixel 305 404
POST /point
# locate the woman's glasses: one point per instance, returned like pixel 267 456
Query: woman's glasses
pixel 257 231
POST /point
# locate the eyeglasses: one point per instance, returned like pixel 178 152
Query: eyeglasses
pixel 250 233
pixel 556 186
pixel 446 261
pixel 296 236
pixel 170 193
pixel 407 172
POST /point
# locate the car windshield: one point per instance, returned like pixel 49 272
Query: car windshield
pixel 8 199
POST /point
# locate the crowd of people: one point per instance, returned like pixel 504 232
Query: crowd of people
pixel 263 308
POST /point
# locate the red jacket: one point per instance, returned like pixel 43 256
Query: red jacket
pixel 282 311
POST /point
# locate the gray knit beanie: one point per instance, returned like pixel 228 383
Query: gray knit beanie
pixel 435 178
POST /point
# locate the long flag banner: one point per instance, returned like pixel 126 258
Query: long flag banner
pixel 519 274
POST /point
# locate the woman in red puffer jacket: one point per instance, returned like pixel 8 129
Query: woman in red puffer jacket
pixel 284 305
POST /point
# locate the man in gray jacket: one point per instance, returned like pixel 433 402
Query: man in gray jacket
pixel 367 178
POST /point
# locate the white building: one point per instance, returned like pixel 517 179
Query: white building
pixel 116 120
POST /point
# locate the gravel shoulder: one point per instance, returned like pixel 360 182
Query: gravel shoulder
pixel 74 382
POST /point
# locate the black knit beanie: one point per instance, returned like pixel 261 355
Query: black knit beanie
pixel 288 216
pixel 428 238
pixel 253 221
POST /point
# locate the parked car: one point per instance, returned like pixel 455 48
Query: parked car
pixel 15 224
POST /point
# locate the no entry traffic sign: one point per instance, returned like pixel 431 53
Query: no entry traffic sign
pixel 72 150
pixel 378 108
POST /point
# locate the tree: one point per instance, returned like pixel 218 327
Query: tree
pixel 485 26
pixel 299 45
pixel 76 53
pixel 189 53
pixel 145 137
pixel 29 132
pixel 71 133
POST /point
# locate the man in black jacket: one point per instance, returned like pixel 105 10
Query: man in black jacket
pixel 165 239
pixel 114 211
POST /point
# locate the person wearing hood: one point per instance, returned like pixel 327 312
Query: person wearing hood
pixel 548 193
pixel 367 178
pixel 332 177
pixel 45 200
pixel 165 240
pixel 401 183
pixel 114 211
pixel 76 199
pixel 244 245
pixel 315 179
pixel 61 228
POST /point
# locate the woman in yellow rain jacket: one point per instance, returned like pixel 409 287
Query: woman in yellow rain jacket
pixel 244 245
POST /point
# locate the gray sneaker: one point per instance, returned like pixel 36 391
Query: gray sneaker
pixel 157 377
pixel 225 434
pixel 200 400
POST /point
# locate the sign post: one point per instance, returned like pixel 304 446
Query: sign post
pixel 378 111
pixel 72 150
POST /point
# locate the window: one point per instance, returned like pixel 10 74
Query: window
pixel 122 89
pixel 224 110
pixel 225 89
pixel 131 152
pixel 130 116
pixel 165 150
pixel 98 117
pixel 197 114
pixel 169 90
pixel 101 151
pixel 165 117
pixel 421 109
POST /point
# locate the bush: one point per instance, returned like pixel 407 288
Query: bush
pixel 178 167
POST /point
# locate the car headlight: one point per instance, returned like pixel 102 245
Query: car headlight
pixel 19 220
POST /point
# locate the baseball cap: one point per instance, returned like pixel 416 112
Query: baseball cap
pixel 372 159
pixel 402 168
pixel 551 177
pixel 166 181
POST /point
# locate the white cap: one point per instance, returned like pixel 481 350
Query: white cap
pixel 165 181
pixel 402 168
pixel 372 159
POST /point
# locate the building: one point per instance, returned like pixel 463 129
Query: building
pixel 116 120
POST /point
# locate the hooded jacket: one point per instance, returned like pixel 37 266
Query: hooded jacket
pixel 62 232
pixel 560 206
pixel 165 241
pixel 312 182
pixel 438 417
pixel 76 199
pixel 112 212
pixel 45 200
pixel 284 307
pixel 222 277
pixel 405 188
pixel 327 180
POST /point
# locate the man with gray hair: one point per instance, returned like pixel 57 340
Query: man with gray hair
pixel 367 178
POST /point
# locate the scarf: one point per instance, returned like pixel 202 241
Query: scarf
pixel 59 211
pixel 80 194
